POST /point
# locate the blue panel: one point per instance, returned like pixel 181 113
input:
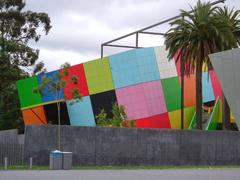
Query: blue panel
pixel 81 113
pixel 207 89
pixel 147 64
pixel 47 95
pixel 124 68
pixel 133 67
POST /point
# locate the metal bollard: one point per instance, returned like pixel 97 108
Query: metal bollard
pixel 30 163
pixel 5 163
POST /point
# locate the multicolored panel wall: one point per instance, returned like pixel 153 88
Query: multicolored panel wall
pixel 143 80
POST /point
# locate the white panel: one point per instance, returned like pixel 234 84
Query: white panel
pixel 166 68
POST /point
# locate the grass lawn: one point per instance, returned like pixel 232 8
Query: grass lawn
pixel 117 167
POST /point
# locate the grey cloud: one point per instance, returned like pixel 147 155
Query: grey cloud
pixel 82 25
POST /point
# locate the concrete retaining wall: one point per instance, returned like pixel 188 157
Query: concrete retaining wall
pixel 126 146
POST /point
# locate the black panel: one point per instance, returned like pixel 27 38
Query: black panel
pixel 52 113
pixel 104 101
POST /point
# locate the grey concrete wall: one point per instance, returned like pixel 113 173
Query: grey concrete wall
pixel 123 146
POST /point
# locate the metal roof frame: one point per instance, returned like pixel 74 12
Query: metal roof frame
pixel 144 31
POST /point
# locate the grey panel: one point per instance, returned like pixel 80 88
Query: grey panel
pixel 236 82
pixel 227 67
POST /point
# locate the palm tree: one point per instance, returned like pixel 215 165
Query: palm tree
pixel 197 35
pixel 180 54
pixel 233 19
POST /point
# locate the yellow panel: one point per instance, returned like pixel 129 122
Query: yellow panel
pixel 204 67
pixel 220 112
pixel 175 117
pixel 232 118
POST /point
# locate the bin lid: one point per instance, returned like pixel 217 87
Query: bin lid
pixel 56 153
pixel 64 152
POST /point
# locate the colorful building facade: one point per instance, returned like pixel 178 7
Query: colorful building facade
pixel 143 80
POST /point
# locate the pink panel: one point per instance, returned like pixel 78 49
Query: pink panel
pixel 142 100
pixel 215 84
pixel 154 97
pixel 133 99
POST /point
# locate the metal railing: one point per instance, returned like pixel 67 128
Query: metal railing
pixel 13 152
pixel 11 149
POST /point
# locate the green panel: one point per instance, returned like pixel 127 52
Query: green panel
pixel 212 123
pixel 172 93
pixel 188 115
pixel 25 92
pixel 98 75
pixel 193 122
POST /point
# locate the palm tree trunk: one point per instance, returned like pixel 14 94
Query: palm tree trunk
pixel 182 94
pixel 225 114
pixel 199 94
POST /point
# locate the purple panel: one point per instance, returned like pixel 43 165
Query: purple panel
pixel 154 98
pixel 133 99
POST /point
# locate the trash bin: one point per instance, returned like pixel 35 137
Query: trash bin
pixel 67 160
pixel 55 160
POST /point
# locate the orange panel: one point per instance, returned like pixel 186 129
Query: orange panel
pixel 189 90
pixel 34 115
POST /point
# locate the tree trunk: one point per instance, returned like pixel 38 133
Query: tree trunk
pixel 59 126
pixel 199 94
pixel 225 114
pixel 182 95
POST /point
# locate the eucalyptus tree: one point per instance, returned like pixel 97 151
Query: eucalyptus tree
pixel 17 59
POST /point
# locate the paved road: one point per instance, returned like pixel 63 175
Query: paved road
pixel 183 174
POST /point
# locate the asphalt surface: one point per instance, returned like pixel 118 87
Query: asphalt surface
pixel 171 174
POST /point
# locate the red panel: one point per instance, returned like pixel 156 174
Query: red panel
pixel 216 84
pixel 78 71
pixel 158 121
pixel 142 123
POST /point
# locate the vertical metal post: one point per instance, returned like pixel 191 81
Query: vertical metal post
pixel 30 163
pixel 5 163
pixel 137 40
pixel 102 51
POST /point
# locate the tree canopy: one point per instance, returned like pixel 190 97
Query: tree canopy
pixel 17 59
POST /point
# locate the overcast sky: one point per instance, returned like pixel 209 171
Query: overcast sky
pixel 81 26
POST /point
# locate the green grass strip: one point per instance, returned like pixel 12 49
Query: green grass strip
pixel 119 167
